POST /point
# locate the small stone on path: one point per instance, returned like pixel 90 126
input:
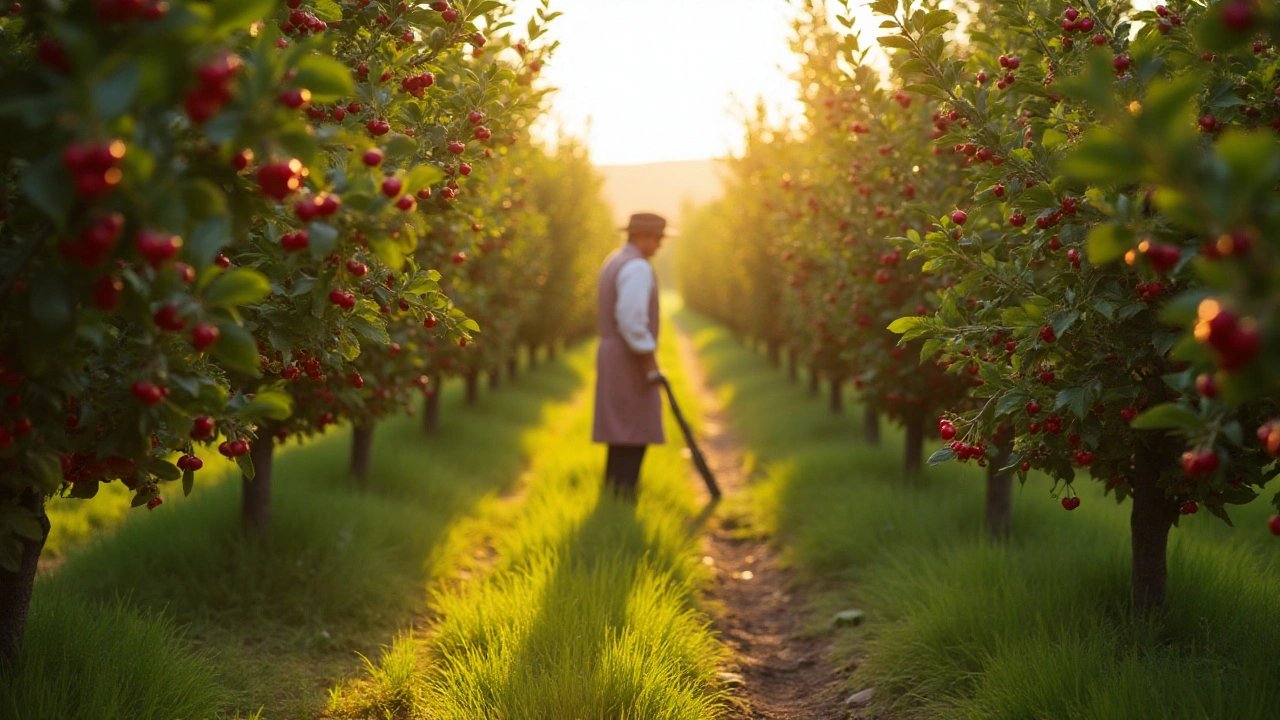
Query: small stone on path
pixel 861 698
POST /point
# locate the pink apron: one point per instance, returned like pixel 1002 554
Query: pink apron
pixel 628 407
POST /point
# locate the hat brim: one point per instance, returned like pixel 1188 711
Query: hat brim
pixel 669 232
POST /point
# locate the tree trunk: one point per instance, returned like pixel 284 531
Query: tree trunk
pixel 775 353
pixel 255 497
pixel 15 588
pixel 914 450
pixel 793 365
pixel 472 379
pixel 870 425
pixel 431 408
pixel 815 387
pixel 999 508
pixel 551 352
pixel 533 356
pixel 513 367
pixel 1149 523
pixel 495 378
pixel 837 396
pixel 361 452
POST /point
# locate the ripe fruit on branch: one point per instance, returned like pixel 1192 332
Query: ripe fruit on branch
pixel 1048 335
pixel 1234 340
pixel 1200 463
pixel 959 217
pixel 1033 408
pixel 342 299
pixel 234 448
pixel 457 148
pixel 1190 508
pixel 279 180
pixel 148 393
pixel 157 248
pixel 202 428
pixel 168 319
pixel 372 158
pixel 391 186
pixel 203 336
pixel 378 127
pixel 430 321
pixel 1070 503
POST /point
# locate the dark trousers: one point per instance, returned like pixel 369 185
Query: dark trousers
pixel 622 469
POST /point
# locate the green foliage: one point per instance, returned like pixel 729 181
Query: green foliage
pixel 960 627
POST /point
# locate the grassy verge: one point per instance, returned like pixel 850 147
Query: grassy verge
pixel 269 624
pixel 961 628
pixel 588 612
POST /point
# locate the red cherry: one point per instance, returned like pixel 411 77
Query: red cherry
pixel 1207 386
pixel 295 241
pixel 106 293
pixel 157 248
pixel 1025 466
pixel 1070 503
pixel 357 381
pixel 1274 525
pixel 1238 15
pixel 202 428
pixel 1128 414
pixel 959 217
pixel 391 186
pixel 168 319
pixel 459 258
pixel 1190 508
pixel 279 180
pixel 1017 219
pixel 357 268
pixel 1047 334
pixel 1033 408
pixel 457 148
pixel 947 431
pixel 242 160
pixel 449 15
pixel 430 321
pixel 203 336
pixel 378 127
pixel 464 169
pixel 148 393
pixel 475 117
pixel 295 98
pixel 372 158
pixel 406 203
pixel 1071 14
pixel 1208 123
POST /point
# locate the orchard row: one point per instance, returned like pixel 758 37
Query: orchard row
pixel 1051 229
pixel 228 223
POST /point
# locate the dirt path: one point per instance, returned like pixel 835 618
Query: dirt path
pixel 779 672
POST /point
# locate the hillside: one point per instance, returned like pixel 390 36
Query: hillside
pixel 659 187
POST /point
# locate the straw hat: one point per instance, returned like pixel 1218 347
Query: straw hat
pixel 648 224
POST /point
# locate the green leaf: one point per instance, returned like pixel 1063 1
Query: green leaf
pixel 1109 242
pixel 942 456
pixel 85 489
pixel 117 91
pixel 1077 400
pixel 46 186
pixel 206 240
pixel 322 237
pixel 1167 416
pixel 936 19
pixel 162 470
pixel 326 78
pixel 231 15
pixel 1104 157
pixel 188 482
pixel 1013 402
pixel 422 176
pixel 269 404
pixel 236 349
pixel 245 462
pixel 237 287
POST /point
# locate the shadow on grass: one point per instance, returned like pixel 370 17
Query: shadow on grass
pixel 341 568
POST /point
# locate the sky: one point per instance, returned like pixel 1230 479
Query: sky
pixel 655 80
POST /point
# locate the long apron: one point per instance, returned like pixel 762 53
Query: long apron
pixel 628 407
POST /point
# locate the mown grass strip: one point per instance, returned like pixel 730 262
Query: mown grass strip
pixel 268 625
pixel 590 611
pixel 962 628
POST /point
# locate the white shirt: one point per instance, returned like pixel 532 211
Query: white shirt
pixel 635 286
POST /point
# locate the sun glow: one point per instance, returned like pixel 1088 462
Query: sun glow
pixel 668 79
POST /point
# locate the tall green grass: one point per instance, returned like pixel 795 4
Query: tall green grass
pixel 590 610
pixel 276 620
pixel 959 627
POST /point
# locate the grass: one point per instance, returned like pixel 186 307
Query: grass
pixel 270 623
pixel 959 627
pixel 588 611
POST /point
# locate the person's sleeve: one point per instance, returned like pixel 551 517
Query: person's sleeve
pixel 635 285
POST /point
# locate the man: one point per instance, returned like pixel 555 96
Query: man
pixel 628 413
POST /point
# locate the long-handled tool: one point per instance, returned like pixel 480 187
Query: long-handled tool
pixel 698 460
